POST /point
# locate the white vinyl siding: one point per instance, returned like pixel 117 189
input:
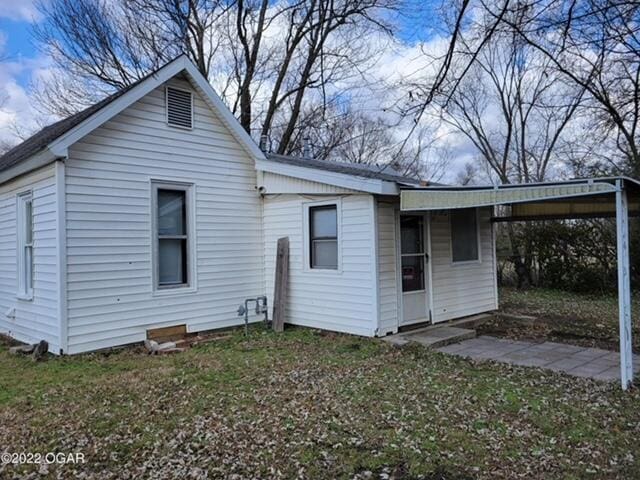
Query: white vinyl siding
pixel 275 183
pixel 466 288
pixel 111 299
pixel 387 268
pixel 37 318
pixel 342 300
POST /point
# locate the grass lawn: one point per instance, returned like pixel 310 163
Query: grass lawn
pixel 309 405
pixel 579 319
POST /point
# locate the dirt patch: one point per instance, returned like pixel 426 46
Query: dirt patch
pixel 581 320
pixel 551 328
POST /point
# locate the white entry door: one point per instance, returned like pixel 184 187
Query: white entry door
pixel 413 258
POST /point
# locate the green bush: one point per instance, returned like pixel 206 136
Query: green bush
pixel 573 255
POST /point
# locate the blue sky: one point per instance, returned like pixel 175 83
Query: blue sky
pixel 23 64
pixel 18 43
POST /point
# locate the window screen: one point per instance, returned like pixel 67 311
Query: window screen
pixel 323 226
pixel 464 235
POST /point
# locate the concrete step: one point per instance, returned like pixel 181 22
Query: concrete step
pixel 433 337
pixel 442 336
pixel 526 320
pixel 470 322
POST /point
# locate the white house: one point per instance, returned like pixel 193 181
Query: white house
pixel 154 208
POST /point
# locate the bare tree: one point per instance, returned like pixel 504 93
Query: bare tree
pixel 116 42
pixel 356 137
pixel 592 44
pixel 276 56
pixel 515 110
pixel 467 175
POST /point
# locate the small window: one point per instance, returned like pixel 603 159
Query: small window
pixel 323 235
pixel 179 108
pixel 172 252
pixel 464 235
pixel 25 245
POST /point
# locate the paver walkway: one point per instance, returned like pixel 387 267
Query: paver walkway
pixel 578 361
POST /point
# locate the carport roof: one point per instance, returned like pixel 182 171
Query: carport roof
pixel 580 198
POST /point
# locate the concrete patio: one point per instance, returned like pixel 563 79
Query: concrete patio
pixel 593 363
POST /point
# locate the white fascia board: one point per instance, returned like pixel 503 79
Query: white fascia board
pixel 163 75
pixel 34 162
pixel 353 182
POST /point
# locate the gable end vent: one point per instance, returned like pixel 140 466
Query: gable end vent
pixel 179 108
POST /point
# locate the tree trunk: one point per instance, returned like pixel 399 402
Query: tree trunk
pixel 522 268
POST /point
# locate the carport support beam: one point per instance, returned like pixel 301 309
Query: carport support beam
pixel 624 286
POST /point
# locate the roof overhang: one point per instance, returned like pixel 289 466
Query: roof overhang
pixel 40 159
pixel 582 198
pixel 352 182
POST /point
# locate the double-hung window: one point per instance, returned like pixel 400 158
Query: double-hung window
pixel 25 245
pixel 464 235
pixel 323 237
pixel 172 235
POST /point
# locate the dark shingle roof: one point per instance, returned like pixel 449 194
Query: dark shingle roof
pixel 378 172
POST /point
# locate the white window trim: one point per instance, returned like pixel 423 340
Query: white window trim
pixel 306 237
pixel 166 107
pixel 24 291
pixel 192 274
pixel 478 239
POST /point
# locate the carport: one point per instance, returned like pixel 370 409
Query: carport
pixel 617 197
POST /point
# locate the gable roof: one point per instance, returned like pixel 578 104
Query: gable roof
pixel 53 141
pixel 379 172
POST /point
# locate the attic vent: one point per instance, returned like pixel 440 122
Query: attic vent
pixel 179 108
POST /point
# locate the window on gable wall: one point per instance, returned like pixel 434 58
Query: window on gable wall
pixel 464 235
pixel 25 245
pixel 172 235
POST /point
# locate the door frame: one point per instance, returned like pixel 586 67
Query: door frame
pixel 427 271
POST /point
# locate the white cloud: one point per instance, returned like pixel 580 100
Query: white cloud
pixel 19 10
pixel 18 117
pixel 400 65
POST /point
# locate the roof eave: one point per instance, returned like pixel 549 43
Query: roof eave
pixel 41 159
pixel 343 180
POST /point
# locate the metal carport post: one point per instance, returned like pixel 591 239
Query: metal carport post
pixel 624 285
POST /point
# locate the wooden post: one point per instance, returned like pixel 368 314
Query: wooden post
pixel 281 284
pixel 624 286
